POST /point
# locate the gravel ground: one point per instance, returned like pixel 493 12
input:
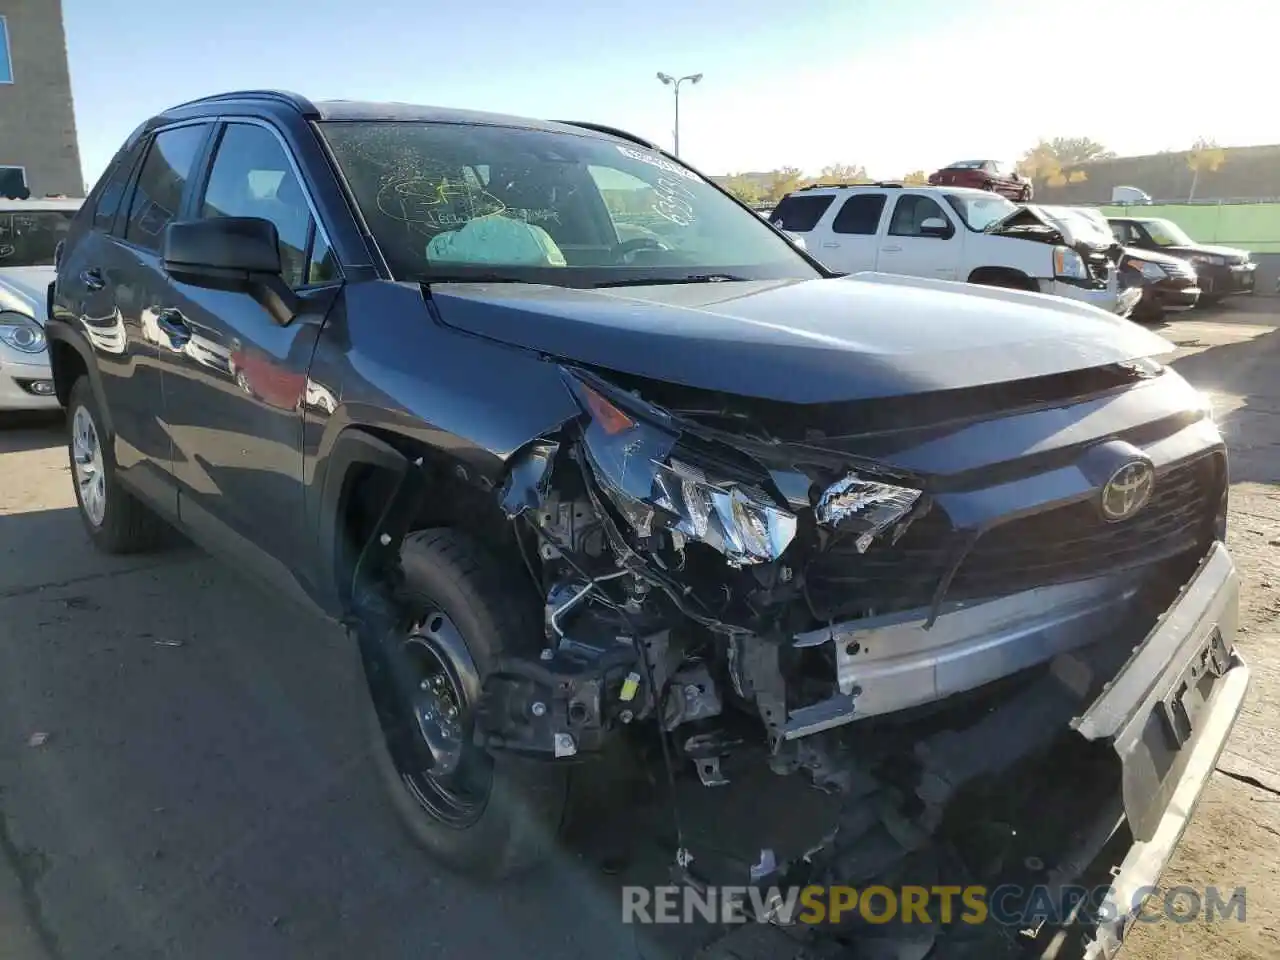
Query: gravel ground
pixel 182 772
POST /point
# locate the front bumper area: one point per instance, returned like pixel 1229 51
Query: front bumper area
pixel 20 381
pixel 1224 281
pixel 1174 300
pixel 1168 715
pixel 1108 298
pixel 898 661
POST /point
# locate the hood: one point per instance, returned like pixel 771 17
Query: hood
pixel 1031 222
pixel 25 289
pixel 810 341
pixel 1231 253
pixel 1153 256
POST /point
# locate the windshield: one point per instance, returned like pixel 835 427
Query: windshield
pixel 28 237
pixel 1166 233
pixel 981 210
pixel 467 201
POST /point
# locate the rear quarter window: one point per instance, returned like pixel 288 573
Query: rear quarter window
pixel 800 214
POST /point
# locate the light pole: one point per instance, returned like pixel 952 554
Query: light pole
pixel 671 81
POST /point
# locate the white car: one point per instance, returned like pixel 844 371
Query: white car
pixel 955 233
pixel 29 233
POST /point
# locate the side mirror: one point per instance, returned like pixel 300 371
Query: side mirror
pixel 935 227
pixel 231 253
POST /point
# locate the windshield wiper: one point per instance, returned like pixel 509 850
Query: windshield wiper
pixel 656 281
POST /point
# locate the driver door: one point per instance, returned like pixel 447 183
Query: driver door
pixel 907 249
pixel 235 379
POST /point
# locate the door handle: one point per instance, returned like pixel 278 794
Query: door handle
pixel 174 326
pixel 891 249
pixel 92 279
pixel 831 246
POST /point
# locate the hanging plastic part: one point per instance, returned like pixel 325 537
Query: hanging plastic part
pixel 866 508
pixel 529 478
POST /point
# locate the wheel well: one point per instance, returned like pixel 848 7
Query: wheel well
pixel 1003 277
pixel 454 499
pixel 68 367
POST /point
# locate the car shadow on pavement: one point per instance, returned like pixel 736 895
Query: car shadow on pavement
pixel 20 432
pixel 1244 381
pixel 184 772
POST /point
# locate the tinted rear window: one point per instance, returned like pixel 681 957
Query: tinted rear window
pixel 111 190
pixel 860 214
pixel 800 214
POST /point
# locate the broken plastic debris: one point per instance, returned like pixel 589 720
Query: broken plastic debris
pixel 37 739
pixel 865 507
pixel 167 643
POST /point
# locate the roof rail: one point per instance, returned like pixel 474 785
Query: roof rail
pixel 611 131
pixel 285 97
pixel 868 183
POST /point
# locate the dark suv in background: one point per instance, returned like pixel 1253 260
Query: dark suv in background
pixel 1221 271
pixel 589 457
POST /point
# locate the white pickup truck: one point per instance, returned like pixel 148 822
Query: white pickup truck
pixel 953 233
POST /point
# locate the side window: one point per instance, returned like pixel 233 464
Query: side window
pixel 798 213
pixel 912 210
pixel 6 63
pixel 322 266
pixel 157 198
pixel 1121 232
pixel 109 195
pixel 251 176
pixel 860 215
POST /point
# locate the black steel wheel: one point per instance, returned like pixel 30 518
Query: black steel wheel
pixel 487 815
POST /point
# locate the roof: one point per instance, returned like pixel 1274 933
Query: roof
pixel 277 100
pixel 823 188
pixel 38 204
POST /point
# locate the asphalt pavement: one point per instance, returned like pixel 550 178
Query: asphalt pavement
pixel 183 769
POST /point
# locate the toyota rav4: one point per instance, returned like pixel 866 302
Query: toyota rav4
pixel 585 454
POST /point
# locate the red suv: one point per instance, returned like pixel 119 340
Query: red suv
pixel 985 175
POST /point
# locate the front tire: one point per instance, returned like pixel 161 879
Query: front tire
pixel 491 816
pixel 115 520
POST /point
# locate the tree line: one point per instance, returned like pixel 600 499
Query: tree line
pixel 1053 162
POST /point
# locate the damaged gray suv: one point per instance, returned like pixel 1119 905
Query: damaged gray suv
pixel 589 457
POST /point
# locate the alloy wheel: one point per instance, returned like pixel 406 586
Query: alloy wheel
pixel 91 479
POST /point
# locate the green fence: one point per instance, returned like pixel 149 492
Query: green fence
pixel 1250 226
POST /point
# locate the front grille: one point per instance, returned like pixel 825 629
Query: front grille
pixel 1099 269
pixel 1057 546
pixel 1180 269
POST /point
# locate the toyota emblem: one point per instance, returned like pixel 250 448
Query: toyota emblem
pixel 1127 491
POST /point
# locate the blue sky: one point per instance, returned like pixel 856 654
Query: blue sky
pixel 889 84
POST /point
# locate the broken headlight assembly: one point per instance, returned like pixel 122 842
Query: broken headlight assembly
pixel 656 483
pixel 637 467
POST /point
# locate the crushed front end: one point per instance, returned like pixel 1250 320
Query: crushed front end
pixel 914 601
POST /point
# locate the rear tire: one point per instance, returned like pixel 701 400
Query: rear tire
pixel 116 521
pixel 451 579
